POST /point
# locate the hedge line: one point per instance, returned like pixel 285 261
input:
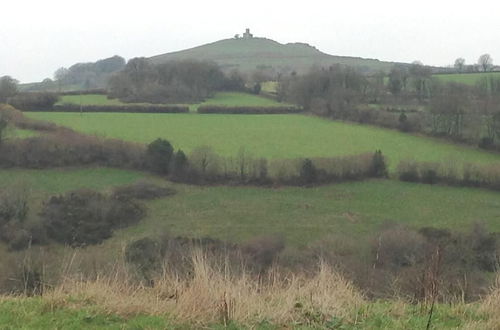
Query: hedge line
pixel 99 91
pixel 209 109
pixel 116 108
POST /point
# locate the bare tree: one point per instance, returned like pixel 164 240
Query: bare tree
pixel 459 64
pixel 485 62
pixel 8 88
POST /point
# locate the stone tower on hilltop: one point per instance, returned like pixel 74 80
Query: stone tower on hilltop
pixel 247 34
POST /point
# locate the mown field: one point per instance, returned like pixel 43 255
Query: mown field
pixel 221 98
pixel 271 136
pixel 466 78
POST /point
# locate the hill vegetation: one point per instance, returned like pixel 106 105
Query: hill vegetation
pixel 254 54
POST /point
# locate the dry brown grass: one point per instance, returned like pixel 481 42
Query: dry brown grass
pixel 212 294
pixel 489 308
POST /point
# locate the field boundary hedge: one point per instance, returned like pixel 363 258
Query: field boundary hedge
pixel 114 108
pixel 211 109
pixel 99 91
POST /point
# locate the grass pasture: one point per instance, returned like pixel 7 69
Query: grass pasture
pixel 271 136
pixel 466 78
pixel 55 181
pixel 301 215
pixel 222 99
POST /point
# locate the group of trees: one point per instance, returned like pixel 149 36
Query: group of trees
pixel 170 82
pixel 408 97
pixel 484 63
pixel 89 75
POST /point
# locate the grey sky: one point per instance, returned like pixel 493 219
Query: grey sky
pixel 37 37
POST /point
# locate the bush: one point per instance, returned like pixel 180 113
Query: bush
pixel 180 165
pixel 159 154
pixel 130 108
pixel 211 109
pixel 486 143
pixel 34 101
pixel 67 148
pixel 141 190
pixel 263 251
pixel 379 168
pixel 307 172
pixel 408 171
pixel 86 217
pixel 399 247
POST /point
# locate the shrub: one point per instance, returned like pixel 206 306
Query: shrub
pixel 86 217
pixel 145 255
pixel 128 108
pixel 179 165
pixel 159 154
pixel 211 109
pixel 141 190
pixel 308 172
pixel 408 171
pixel 399 247
pixel 379 168
pixel 262 251
pixel 486 143
pixel 34 101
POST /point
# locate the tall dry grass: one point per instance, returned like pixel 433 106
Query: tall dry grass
pixel 216 294
pixel 489 309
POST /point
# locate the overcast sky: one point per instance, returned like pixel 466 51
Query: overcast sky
pixel 37 37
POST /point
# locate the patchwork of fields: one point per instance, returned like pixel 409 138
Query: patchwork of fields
pixel 271 136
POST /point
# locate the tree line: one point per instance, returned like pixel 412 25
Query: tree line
pixel 407 98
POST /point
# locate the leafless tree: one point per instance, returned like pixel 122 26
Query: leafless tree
pixel 485 62
pixel 459 64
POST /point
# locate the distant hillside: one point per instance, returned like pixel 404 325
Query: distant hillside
pixel 249 54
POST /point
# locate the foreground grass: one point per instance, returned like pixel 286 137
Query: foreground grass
pixel 271 136
pixel 214 298
pixel 466 78
pixel 35 313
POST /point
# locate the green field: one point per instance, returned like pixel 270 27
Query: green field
pixel 466 78
pixel 54 181
pixel 221 98
pixel 272 136
pixel 301 215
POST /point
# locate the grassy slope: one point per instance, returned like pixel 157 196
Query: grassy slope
pixel 466 78
pixel 272 136
pixel 247 54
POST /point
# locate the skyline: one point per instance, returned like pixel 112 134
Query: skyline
pixel 58 36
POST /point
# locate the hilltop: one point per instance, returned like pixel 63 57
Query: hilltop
pixel 249 54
